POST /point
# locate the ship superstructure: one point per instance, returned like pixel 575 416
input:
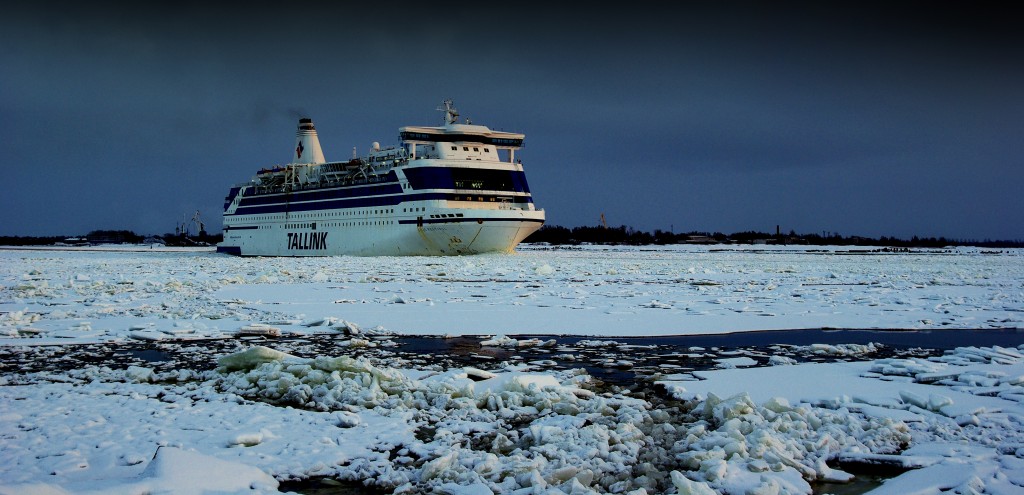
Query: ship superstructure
pixel 447 190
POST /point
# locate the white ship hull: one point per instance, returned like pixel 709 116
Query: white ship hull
pixel 476 232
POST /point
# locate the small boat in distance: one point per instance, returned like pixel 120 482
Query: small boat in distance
pixel 449 190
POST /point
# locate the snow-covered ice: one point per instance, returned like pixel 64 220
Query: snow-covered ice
pixel 597 291
pixel 258 419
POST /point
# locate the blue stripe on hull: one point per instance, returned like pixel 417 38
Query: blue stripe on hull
pixel 368 202
pixel 463 220
pixel 235 250
pixel 322 194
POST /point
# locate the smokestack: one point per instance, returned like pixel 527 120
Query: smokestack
pixel 307 144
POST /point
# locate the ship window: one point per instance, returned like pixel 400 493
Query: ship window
pixel 465 148
pixel 487 150
pixel 476 149
pixel 455 148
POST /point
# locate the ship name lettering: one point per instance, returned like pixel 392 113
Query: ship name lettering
pixel 307 240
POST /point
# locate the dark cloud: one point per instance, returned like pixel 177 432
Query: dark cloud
pixel 896 118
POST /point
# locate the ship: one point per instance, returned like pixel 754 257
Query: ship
pixel 453 189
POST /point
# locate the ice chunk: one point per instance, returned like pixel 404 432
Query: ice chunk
pixel 686 486
pixel 471 489
pixel 347 419
pixel 149 335
pixel 515 382
pixel 913 399
pixel 437 466
pixel 500 341
pixel 736 362
pixel 936 402
pixel 246 440
pixel 260 329
pixel 185 472
pixel 251 358
pixel 777 360
pixel 478 374
pixel 139 374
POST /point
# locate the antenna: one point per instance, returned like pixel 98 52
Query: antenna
pixel 451 115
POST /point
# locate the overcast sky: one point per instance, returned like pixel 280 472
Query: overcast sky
pixel 862 118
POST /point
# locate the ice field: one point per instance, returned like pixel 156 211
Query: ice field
pixel 256 419
pixel 599 291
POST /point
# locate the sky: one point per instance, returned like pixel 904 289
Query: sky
pixel 858 118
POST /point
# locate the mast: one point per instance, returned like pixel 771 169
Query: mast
pixel 451 114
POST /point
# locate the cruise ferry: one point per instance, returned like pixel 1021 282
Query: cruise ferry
pixel 454 189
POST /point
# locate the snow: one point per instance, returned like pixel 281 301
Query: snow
pixel 256 419
pixel 53 296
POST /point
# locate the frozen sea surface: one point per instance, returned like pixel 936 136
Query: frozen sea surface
pixel 595 291
pixel 190 372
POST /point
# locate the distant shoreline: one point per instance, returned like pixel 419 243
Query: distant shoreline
pixel 622 235
pixel 114 248
pixel 543 246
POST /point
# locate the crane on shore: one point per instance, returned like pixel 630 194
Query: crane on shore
pixel 199 224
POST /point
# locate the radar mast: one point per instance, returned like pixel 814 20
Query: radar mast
pixel 451 114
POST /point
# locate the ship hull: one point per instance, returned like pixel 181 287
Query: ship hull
pixel 474 232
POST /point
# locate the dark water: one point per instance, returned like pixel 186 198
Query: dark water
pixel 933 339
pixel 622 362
pixel 648 354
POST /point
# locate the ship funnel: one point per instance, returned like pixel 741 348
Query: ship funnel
pixel 307 144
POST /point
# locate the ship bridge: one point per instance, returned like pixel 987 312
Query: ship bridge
pixel 462 133
pixel 453 132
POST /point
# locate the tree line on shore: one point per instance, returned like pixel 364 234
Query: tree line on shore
pixel 554 234
pixel 113 237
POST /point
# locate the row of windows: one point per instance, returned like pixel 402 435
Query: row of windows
pixel 261 218
pixel 471 198
pixel 447 215
pixel 356 224
pixel 386 211
pixel 333 224
pixel 466 148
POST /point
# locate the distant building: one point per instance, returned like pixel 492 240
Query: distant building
pixel 700 239
pixel 112 237
pixel 74 241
